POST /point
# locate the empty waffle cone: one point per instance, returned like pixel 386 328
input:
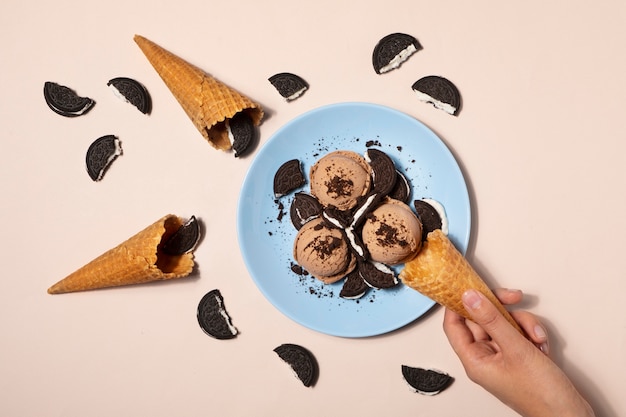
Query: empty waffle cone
pixel 441 273
pixel 208 102
pixel 135 261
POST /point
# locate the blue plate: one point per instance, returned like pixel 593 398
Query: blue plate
pixel 266 234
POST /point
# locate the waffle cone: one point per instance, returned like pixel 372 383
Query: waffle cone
pixel 135 261
pixel 208 102
pixel 441 273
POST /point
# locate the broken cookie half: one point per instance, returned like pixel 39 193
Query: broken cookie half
pixel 137 260
pixel 209 103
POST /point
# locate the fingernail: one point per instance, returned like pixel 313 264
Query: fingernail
pixel 472 299
pixel 540 332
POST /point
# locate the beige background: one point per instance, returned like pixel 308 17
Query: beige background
pixel 540 139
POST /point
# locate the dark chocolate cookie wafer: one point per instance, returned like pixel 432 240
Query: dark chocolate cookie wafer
pixel 426 381
pixel 356 244
pixel 440 92
pixel 304 208
pixel 392 50
pixel 377 275
pixel 354 286
pixel 401 190
pixel 429 217
pixel 184 239
pixel 213 317
pixel 288 178
pixel 337 218
pixel 64 101
pixel 101 153
pixel 364 206
pixel 383 170
pixel 301 360
pixel 288 85
pixel 242 133
pixel 133 92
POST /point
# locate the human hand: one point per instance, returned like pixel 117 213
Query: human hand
pixel 515 369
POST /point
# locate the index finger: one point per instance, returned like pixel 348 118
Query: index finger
pixel 456 330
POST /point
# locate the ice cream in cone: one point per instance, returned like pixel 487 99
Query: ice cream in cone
pixel 135 261
pixel 208 102
pixel 441 273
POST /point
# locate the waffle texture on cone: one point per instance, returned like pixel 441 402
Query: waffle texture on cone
pixel 441 273
pixel 208 102
pixel 135 261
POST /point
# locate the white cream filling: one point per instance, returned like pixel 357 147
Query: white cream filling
pixel 438 104
pixel 231 137
pixel 399 59
pixel 333 221
pixel 441 211
pixel 117 152
pixel 364 207
pixel 233 330
pixel 385 269
pixel 354 297
pixel 296 94
pixel 352 239
pixel 302 220
pixel 117 93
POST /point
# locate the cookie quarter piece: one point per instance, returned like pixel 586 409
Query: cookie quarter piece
pixel 213 317
pixel 288 178
pixel 101 154
pixel 301 361
pixel 377 275
pixel 64 101
pixel 383 170
pixel 426 381
pixel 440 92
pixel 288 85
pixel 304 208
pixel 184 240
pixel 354 287
pixel 131 91
pixel 392 50
pixel 401 190
pixel 241 133
pixel 431 215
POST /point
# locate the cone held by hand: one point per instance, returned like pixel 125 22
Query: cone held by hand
pixel 441 273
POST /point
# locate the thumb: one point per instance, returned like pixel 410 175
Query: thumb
pixel 486 315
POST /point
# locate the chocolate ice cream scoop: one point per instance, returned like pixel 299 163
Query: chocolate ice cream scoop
pixel 340 178
pixel 323 251
pixel 392 233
